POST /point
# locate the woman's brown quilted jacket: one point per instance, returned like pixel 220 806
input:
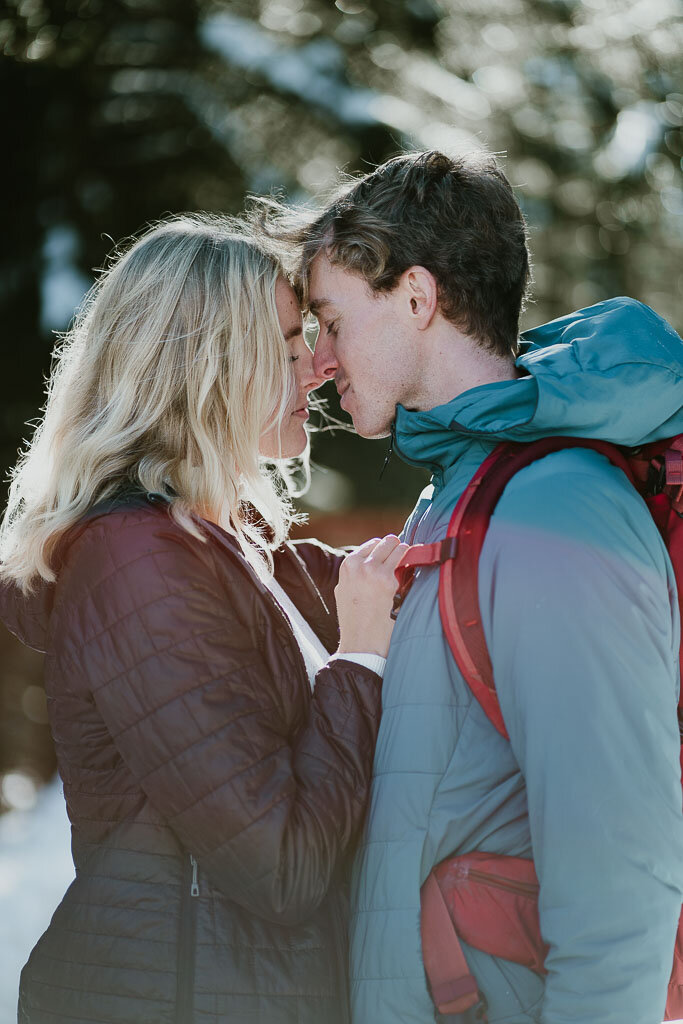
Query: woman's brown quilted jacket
pixel 214 800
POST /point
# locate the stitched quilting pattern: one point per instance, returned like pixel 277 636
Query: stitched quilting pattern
pixel 184 722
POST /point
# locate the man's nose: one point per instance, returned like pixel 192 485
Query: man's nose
pixel 308 378
pixel 325 363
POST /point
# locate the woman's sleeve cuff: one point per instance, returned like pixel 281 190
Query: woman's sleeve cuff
pixel 375 662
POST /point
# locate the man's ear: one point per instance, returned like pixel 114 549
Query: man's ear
pixel 421 294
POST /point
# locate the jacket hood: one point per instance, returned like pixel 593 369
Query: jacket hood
pixel 612 371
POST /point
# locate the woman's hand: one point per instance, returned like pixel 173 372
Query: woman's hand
pixel 365 595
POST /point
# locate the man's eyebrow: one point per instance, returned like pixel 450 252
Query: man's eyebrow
pixel 317 305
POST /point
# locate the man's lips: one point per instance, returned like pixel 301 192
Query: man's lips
pixel 342 389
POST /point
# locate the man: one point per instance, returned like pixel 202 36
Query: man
pixel 417 274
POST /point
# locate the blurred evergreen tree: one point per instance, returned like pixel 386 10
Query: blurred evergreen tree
pixel 119 112
pixel 581 99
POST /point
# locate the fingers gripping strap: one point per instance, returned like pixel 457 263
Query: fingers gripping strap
pixel 427 554
pixel 416 556
pixel 453 988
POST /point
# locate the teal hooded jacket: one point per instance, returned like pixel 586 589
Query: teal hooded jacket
pixel 580 612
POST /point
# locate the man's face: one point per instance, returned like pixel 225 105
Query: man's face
pixel 363 344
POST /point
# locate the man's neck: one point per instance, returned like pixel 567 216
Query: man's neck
pixel 451 363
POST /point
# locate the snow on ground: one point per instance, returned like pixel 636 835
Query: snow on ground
pixel 35 871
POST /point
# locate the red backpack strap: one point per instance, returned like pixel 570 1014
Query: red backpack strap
pixel 418 555
pixel 459 556
pixel 454 989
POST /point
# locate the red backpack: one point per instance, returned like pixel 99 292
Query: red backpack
pixel 487 900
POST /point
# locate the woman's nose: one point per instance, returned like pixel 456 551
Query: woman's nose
pixel 325 364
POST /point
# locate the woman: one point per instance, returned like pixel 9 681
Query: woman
pixel 215 758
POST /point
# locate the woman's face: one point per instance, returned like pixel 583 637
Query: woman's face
pixel 291 439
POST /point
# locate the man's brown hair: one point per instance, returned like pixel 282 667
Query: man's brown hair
pixel 457 217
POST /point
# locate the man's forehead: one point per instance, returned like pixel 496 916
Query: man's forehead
pixel 330 287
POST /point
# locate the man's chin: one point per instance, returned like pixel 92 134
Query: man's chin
pixel 370 431
pixel 367 424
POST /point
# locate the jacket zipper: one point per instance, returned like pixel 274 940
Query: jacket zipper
pixel 387 458
pixel 433 467
pixel 341 962
pixel 313 591
pixel 187 942
pixel 509 884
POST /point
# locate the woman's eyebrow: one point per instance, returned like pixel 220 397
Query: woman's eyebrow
pixel 293 331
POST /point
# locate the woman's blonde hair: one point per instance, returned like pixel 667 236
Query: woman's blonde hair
pixel 173 369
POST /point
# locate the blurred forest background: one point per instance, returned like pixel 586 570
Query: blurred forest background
pixel 115 112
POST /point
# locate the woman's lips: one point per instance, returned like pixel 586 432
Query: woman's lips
pixel 303 412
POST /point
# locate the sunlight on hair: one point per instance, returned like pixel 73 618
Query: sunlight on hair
pixel 172 370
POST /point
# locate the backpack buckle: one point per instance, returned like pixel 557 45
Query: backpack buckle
pixel 449 547
pixel 481 1009
pixel 674 467
pixel 420 555
pixel 673 463
pixel 397 602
